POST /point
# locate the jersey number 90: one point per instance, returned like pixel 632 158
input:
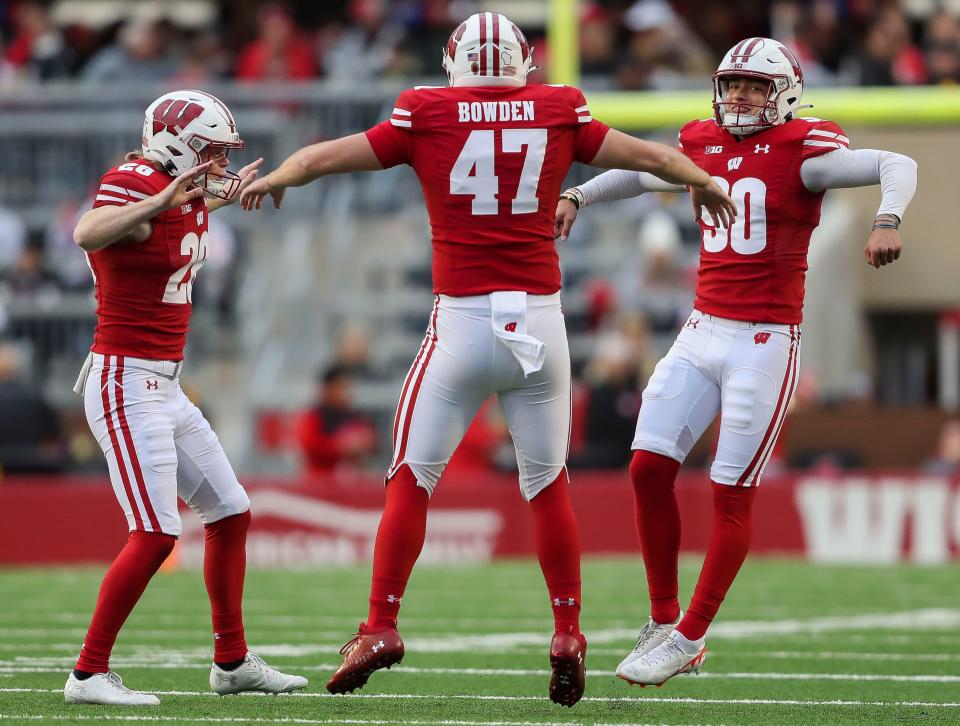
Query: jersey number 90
pixel 748 235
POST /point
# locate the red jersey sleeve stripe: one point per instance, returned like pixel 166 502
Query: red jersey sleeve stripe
pixel 401 112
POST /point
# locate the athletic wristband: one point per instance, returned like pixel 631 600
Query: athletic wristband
pixel 573 195
pixel 886 221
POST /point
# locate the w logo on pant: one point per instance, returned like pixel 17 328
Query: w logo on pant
pixel 761 338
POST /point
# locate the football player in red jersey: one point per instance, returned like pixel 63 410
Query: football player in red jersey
pixel 145 239
pixel 737 354
pixel 489 152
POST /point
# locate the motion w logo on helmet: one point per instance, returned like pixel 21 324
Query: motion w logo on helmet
pixel 173 115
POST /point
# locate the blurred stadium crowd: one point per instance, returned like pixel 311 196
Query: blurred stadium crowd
pixel 620 323
pixel 625 44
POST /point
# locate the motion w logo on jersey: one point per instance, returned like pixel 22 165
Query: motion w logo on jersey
pixel 734 163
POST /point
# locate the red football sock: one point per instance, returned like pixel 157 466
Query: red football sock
pixel 558 549
pixel 403 527
pixel 658 525
pixel 224 570
pixel 122 587
pixel 728 549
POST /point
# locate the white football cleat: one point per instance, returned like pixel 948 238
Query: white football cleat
pixel 663 663
pixel 652 634
pixel 107 689
pixel 253 675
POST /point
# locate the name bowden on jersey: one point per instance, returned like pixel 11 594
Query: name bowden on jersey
pixel 491 111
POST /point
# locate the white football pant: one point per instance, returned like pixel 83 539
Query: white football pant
pixel 747 372
pixel 158 445
pixel 461 362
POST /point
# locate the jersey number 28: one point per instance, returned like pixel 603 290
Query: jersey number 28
pixel 474 171
pixel 748 235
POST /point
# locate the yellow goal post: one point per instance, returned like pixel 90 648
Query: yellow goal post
pixel 632 110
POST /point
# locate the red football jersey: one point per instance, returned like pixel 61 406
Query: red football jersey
pixel 755 271
pixel 491 161
pixel 143 289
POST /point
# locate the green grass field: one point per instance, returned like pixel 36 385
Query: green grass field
pixel 795 644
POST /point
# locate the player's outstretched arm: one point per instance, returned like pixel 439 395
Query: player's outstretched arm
pixel 621 151
pixel 104 226
pixel 895 173
pixel 350 153
pixel 607 187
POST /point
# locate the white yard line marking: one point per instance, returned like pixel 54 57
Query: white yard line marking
pixel 854 655
pixel 19 667
pixel 936 619
pixel 595 699
pixel 925 619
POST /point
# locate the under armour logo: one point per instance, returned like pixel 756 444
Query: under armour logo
pixel 761 149
pixel 152 385
pixel 378 646
pixel 761 338
pixel 557 602
pixel 734 163
pixel 510 327
pixel 692 323
pixel 393 598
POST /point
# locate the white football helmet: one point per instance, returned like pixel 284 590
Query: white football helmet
pixel 759 58
pixel 487 49
pixel 179 125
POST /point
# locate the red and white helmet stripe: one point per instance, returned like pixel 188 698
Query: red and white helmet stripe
pixel 487 49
